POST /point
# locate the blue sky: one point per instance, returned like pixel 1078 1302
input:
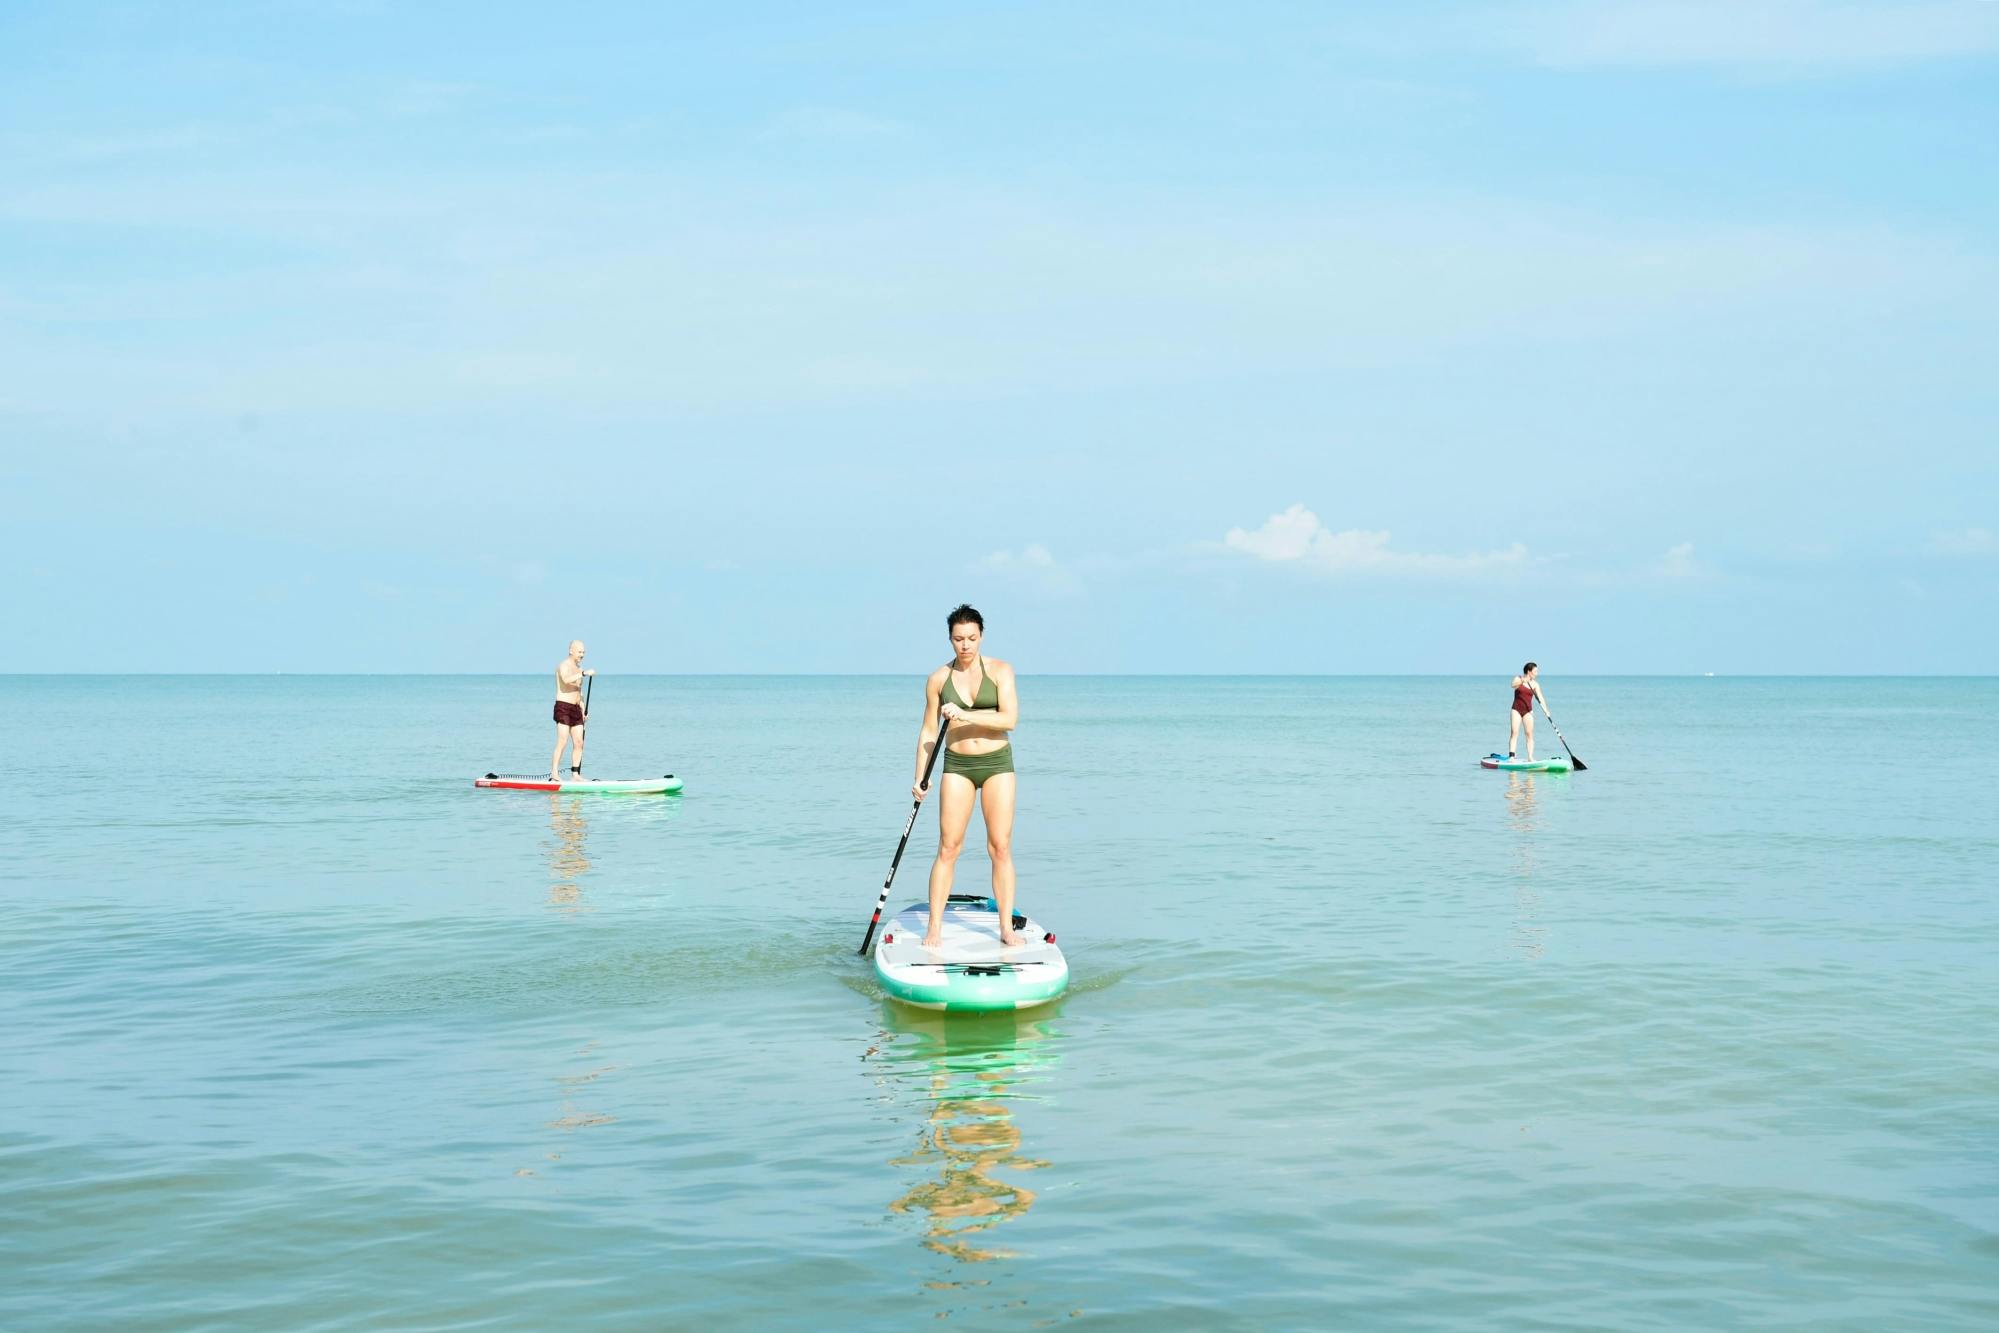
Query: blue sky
pixel 1648 337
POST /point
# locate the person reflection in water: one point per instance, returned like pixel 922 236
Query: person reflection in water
pixel 973 1137
pixel 568 858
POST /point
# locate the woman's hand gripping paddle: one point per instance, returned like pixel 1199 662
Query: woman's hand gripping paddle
pixel 867 941
pixel 1580 766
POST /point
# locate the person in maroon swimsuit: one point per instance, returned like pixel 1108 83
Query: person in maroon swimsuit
pixel 569 715
pixel 1526 689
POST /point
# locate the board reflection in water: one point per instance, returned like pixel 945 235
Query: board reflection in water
pixel 967 1077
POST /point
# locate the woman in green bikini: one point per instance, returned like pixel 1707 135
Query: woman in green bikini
pixel 975 694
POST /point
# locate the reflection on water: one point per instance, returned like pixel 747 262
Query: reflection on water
pixel 1529 936
pixel 1520 800
pixel 576 1114
pixel 569 820
pixel 568 858
pixel 577 1111
pixel 967 1077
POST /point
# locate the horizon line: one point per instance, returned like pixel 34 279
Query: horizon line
pixel 1053 675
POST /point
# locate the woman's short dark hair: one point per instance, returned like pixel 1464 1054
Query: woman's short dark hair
pixel 965 612
pixel 1523 670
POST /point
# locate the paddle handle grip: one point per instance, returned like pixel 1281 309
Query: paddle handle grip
pixel 867 940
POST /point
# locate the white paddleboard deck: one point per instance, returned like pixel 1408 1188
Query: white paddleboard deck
pixel 969 969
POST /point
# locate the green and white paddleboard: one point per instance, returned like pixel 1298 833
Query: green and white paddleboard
pixel 970 970
pixel 662 786
pixel 1525 765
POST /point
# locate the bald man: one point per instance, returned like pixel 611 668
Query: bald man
pixel 569 714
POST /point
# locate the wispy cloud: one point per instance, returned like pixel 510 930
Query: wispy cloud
pixel 431 98
pixel 1679 563
pixel 1965 543
pixel 834 124
pixel 159 142
pixel 1296 537
pixel 1035 564
pixel 647 293
pixel 1797 35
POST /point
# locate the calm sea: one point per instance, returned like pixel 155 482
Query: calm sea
pixel 302 1031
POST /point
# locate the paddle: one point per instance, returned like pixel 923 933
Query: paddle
pixel 868 940
pixel 590 679
pixel 1580 766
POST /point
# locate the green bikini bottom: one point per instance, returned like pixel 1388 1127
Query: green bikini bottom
pixel 979 767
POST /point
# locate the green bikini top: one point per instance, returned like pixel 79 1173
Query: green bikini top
pixel 986 696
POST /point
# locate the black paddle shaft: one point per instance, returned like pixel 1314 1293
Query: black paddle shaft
pixel 1580 766
pixel 867 941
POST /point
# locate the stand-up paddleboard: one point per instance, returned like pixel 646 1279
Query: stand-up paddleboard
pixel 1524 765
pixel 970 970
pixel 599 786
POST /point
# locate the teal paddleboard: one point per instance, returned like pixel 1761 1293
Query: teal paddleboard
pixel 664 786
pixel 1525 765
pixel 969 969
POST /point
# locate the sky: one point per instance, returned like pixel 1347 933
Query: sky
pixel 1649 337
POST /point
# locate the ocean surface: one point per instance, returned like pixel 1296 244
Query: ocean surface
pixel 298 1030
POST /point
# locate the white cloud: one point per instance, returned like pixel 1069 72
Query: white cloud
pixel 1035 563
pixel 1297 537
pixel 1793 34
pixel 1969 542
pixel 1032 556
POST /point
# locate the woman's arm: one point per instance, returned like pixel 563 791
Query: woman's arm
pixel 927 735
pixel 1004 718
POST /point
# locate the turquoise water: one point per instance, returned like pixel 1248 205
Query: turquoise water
pixel 302 1031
